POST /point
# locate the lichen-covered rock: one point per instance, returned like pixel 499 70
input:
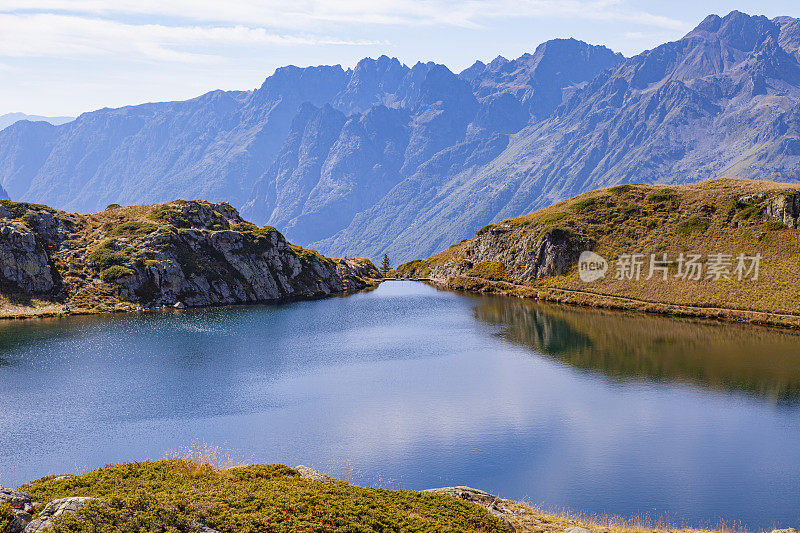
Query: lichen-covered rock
pixel 24 263
pixel 784 208
pixel 514 255
pixel 54 509
pixel 20 521
pixel 495 505
pixel 305 472
pixel 13 497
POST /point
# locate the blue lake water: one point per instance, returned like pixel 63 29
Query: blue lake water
pixel 411 387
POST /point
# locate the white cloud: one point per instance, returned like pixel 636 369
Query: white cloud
pixel 301 14
pixel 52 35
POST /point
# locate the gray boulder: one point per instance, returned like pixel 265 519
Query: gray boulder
pixel 23 261
pixel 20 521
pixel 13 497
pixel 305 472
pixel 54 509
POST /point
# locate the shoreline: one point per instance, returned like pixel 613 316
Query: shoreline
pixel 577 298
pixel 478 286
pixel 56 309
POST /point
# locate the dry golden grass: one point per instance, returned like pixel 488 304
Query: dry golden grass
pixel 702 218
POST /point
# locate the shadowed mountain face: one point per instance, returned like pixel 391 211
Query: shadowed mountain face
pixel 407 160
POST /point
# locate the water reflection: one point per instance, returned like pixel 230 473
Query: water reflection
pixel 728 357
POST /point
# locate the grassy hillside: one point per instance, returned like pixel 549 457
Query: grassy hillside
pixel 180 495
pixel 725 216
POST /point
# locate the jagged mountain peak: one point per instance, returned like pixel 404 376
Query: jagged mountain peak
pixel 473 71
pixel 317 83
pixel 538 80
pixel 736 30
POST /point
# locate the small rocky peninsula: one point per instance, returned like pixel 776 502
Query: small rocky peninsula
pixel 178 254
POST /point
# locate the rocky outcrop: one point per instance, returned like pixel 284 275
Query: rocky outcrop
pixel 23 263
pixel 22 507
pixel 14 498
pixel 784 208
pixel 496 506
pixel 54 509
pixel 511 253
pixel 308 473
pixel 180 254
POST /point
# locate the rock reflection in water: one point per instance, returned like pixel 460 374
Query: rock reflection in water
pixel 721 356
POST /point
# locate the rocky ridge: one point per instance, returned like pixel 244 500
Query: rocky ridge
pixel 180 254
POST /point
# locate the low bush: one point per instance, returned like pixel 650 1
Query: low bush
pixel 492 270
pixel 250 499
pixel 133 228
pixel 113 273
pixel 695 224
pixel 106 257
pixel 6 517
pixel 773 225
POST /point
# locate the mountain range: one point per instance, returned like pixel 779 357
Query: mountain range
pixel 10 118
pixel 387 158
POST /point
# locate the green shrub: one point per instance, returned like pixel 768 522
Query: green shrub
pixel 553 217
pixel 6 517
pixel 29 219
pixel 752 212
pixel 133 228
pixel 171 214
pixel 621 189
pixel 584 205
pixel 493 270
pixel 662 195
pixel 773 225
pixel 113 273
pixel 695 224
pixel 124 514
pixel 105 257
pixel 112 206
pixel 244 226
pixel 18 209
pixel 250 499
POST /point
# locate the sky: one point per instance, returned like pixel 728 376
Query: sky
pixel 65 57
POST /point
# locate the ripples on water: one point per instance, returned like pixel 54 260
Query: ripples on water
pixel 592 410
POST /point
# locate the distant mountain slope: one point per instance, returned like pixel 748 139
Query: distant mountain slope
pixel 10 118
pixel 724 101
pixel 307 151
pixel 405 160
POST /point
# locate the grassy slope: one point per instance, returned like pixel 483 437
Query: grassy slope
pixel 173 495
pixel 702 218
